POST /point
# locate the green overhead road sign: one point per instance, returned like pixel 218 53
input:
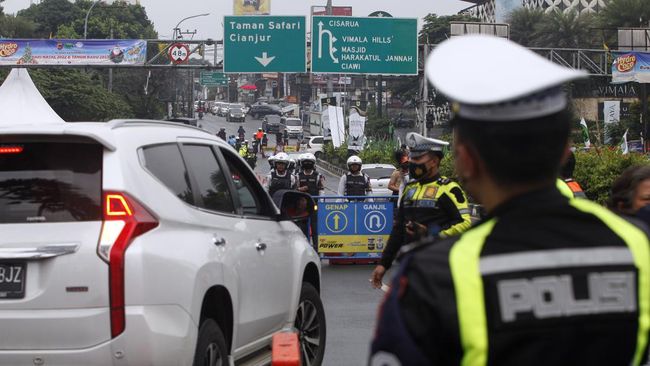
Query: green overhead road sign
pixel 257 44
pixel 350 45
pixel 210 78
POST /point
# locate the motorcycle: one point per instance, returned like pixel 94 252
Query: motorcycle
pixel 251 159
pixel 200 114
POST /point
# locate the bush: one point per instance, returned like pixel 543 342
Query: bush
pixel 596 170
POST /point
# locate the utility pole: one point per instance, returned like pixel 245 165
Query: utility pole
pixel 425 95
pixel 330 86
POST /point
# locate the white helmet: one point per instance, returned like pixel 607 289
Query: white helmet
pixel 354 160
pixel 308 157
pixel 281 158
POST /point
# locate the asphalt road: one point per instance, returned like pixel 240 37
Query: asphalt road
pixel 350 303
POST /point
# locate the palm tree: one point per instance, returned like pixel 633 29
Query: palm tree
pixel 565 30
pixel 625 13
pixel 523 22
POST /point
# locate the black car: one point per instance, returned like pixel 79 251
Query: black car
pixel 261 110
pixel 272 124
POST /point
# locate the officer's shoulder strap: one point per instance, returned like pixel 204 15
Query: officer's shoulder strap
pixel 444 181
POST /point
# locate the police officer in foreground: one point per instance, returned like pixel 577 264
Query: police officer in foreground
pixel 280 178
pixel 354 182
pixel 544 279
pixel 431 205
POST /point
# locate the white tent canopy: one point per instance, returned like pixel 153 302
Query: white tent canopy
pixel 22 103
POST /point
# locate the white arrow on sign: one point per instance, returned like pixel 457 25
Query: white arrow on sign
pixel 265 60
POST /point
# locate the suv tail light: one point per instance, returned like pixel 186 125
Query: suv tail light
pixel 124 220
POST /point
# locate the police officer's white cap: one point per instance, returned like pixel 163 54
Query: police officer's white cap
pixel 420 145
pixel 493 79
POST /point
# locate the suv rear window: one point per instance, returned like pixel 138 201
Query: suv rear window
pixel 51 182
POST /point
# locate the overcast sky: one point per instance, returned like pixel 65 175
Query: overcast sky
pixel 165 14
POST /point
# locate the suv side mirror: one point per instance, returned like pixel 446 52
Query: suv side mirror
pixel 294 205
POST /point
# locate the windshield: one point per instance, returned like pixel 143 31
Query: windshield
pixel 294 122
pixel 379 173
pixel 51 182
pixel 235 110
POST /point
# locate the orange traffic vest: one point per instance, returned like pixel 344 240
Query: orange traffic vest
pixel 575 188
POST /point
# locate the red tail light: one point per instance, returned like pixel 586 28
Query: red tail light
pixel 124 220
pixel 11 149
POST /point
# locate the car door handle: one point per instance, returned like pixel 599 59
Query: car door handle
pixel 218 241
pixel 260 246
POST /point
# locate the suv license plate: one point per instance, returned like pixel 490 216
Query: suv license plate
pixel 12 280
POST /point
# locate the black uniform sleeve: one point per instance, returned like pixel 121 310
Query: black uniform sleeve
pixel 395 240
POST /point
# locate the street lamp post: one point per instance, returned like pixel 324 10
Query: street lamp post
pixel 87 15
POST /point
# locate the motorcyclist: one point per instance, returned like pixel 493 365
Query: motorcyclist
pixel 280 178
pixel 243 150
pixel 222 133
pixel 241 132
pixel 232 141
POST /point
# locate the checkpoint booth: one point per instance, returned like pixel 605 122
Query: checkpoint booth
pixel 353 227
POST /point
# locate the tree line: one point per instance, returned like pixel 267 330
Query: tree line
pixel 82 95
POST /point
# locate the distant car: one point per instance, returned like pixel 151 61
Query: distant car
pixel 379 175
pixel 261 110
pixel 293 126
pixel 272 124
pixel 315 146
pixel 222 109
pixel 236 115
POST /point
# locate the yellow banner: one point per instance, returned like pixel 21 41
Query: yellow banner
pixel 252 7
pixel 352 243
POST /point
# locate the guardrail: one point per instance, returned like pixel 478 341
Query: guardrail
pixel 335 170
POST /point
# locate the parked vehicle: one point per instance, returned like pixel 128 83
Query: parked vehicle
pixel 222 110
pixel 146 243
pixel 236 115
pixel 315 146
pixel 379 175
pixel 293 127
pixel 261 110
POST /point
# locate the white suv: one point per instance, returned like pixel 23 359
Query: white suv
pixel 145 243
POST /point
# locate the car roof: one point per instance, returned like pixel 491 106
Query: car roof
pixel 102 132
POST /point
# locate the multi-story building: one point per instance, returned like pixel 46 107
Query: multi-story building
pixel 495 11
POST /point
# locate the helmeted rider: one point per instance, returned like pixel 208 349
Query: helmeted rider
pixel 292 166
pixel 354 182
pixel 241 132
pixel 280 178
pixel 222 133
pixel 309 180
pixel 243 151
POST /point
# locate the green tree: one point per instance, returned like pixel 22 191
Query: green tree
pixel 437 28
pixel 50 14
pixel 625 13
pixel 523 22
pixel 79 96
pixel 565 30
pixel 16 27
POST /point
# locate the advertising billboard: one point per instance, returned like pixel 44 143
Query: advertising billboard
pixel 252 7
pixel 72 52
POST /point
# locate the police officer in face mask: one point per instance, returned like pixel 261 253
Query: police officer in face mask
pixel 431 205
pixel 280 178
pixel 545 279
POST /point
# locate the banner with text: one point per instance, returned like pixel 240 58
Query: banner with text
pixel 72 52
pixel 631 66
